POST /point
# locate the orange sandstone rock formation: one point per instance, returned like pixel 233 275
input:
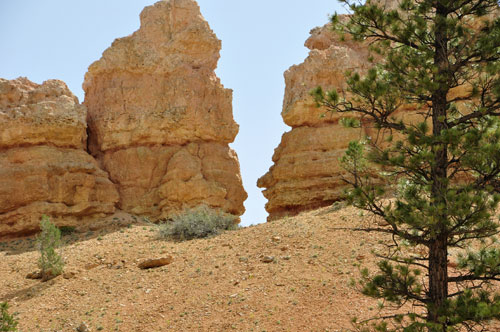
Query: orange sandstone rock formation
pixel 306 173
pixel 44 168
pixel 160 120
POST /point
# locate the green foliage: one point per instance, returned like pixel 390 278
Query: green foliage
pixel 199 222
pixel 50 262
pixel 8 322
pixel 350 122
pixel 354 159
pixel 67 230
pixel 444 169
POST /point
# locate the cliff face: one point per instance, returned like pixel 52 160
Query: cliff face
pixel 160 120
pixel 44 168
pixel 306 172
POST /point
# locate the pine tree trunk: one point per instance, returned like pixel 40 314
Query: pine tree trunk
pixel 438 279
pixel 438 249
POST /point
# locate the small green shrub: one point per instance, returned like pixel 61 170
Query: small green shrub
pixel 67 230
pixel 199 222
pixel 50 262
pixel 8 322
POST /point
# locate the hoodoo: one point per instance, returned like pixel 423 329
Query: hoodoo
pixel 44 167
pixel 160 120
pixel 306 173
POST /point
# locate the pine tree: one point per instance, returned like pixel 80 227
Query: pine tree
pixel 50 263
pixel 442 172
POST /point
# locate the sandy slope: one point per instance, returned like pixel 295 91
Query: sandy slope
pixel 218 284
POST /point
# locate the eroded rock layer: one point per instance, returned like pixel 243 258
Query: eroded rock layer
pixel 306 173
pixel 160 120
pixel 44 168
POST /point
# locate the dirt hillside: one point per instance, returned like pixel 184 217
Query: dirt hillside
pixel 224 283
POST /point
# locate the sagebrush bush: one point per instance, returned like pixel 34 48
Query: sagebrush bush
pixel 8 322
pixel 199 222
pixel 50 262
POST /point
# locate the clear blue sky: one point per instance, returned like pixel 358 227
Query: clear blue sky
pixel 260 40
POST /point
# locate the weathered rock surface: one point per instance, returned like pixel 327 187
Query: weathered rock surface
pixel 160 120
pixel 306 173
pixel 44 168
pixel 47 114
